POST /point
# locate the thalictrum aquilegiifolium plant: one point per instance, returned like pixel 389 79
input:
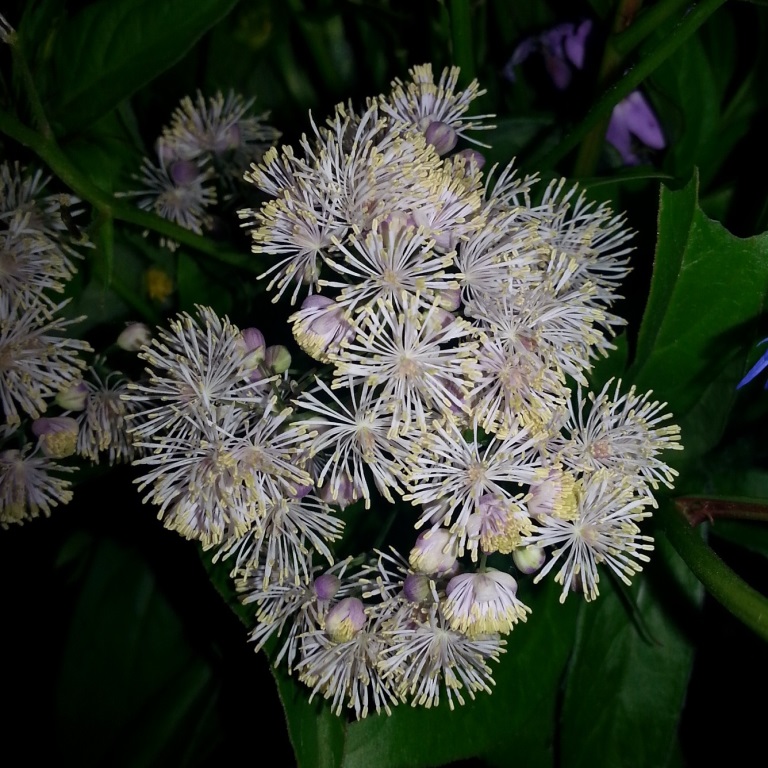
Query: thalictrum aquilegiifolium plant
pixel 409 347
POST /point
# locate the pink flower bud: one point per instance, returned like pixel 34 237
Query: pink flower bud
pixel 441 136
pixel 472 156
pixel 345 619
pixel 326 586
pixel 183 172
pixel 435 551
pixel 416 588
pixel 319 327
pixel 57 436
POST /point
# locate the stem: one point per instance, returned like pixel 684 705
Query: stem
pixel 734 594
pixel 647 22
pixel 461 36
pixel 35 105
pixel 592 144
pixel 698 509
pixel 109 206
pixel 623 87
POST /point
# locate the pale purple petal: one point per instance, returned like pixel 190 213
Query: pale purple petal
pixel 519 55
pixel 642 120
pixel 576 43
pixel 619 136
pixel 558 69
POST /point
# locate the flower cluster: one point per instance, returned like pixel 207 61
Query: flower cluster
pixel 454 318
pixel 38 244
pixel 199 158
pixel 54 404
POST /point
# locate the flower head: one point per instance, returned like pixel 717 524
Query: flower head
pixel 483 603
pixel 30 485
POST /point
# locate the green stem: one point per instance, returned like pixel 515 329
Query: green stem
pixel 646 22
pixel 592 144
pixel 30 89
pixel 461 36
pixel 734 594
pixel 109 206
pixel 623 87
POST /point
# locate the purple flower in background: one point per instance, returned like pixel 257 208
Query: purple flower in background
pixel 632 121
pixel 563 47
pixel 756 369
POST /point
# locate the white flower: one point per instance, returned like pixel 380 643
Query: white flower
pixel 36 360
pixel 102 423
pixel 29 485
pixel 347 671
pixel 219 126
pixel 461 471
pixel 353 437
pixel 429 658
pixel 213 484
pixel 623 433
pixel 298 606
pixel 484 602
pixel 604 531
pixel 390 262
pixel 413 358
pixel 179 191
pixel 285 538
pixel 31 264
pixel 193 368
pixel 422 102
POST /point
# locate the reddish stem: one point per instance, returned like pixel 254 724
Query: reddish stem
pixel 698 509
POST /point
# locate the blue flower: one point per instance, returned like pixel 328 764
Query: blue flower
pixel 757 368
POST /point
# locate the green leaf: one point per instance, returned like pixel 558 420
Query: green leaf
pixel 197 287
pixel 132 689
pixel 707 291
pixel 627 680
pixel 518 718
pixel 111 48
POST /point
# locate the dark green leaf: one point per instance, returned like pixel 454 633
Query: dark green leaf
pixel 196 287
pixel 626 684
pixel 708 289
pixel 111 48
pixel 518 718
pixel 132 690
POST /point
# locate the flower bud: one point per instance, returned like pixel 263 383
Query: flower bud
pixel 555 494
pixel 254 348
pixel 277 358
pixel 340 493
pixel 134 336
pixel 416 588
pixel 319 327
pixel 441 136
pixel 326 586
pixel 73 398
pixel 529 559
pixel 472 156
pixel 435 551
pixel 56 436
pixel 183 172
pixel 345 619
